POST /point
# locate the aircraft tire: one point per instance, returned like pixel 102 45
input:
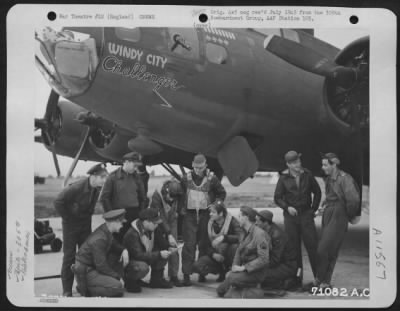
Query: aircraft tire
pixel 38 247
pixel 56 245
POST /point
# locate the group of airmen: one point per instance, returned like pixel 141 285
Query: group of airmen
pixel 248 253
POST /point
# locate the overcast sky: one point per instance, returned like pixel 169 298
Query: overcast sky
pixel 44 165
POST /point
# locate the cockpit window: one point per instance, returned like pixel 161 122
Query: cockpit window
pixel 216 54
pixel 128 34
pixel 184 41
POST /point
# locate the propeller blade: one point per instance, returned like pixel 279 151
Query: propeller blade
pixel 76 159
pixel 310 60
pixel 51 107
pixel 53 152
pixel 45 125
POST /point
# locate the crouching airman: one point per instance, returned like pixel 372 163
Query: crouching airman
pixel 224 235
pixel 147 249
pixel 250 261
pixel 281 273
pixel 96 273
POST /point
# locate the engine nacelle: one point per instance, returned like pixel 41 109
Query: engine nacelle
pixel 106 142
pixel 355 55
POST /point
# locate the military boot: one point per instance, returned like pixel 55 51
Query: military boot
pixel 221 277
pixel 67 294
pixel 290 284
pixel 142 283
pixel 160 283
pixel 132 286
pixel 186 280
pixel 157 280
pixel 175 281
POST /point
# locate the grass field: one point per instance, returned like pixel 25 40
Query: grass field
pixel 257 193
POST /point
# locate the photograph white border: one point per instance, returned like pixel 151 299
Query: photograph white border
pixel 22 19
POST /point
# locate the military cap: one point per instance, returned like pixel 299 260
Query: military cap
pixel 98 169
pixel 266 215
pixel 291 156
pixel 332 157
pixel 150 214
pixel 115 214
pixel 174 188
pixel 133 156
pixel 199 159
pixel 249 212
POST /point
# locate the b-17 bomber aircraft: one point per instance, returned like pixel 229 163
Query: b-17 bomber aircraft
pixel 243 97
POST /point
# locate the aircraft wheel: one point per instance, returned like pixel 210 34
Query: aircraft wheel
pixel 56 245
pixel 38 247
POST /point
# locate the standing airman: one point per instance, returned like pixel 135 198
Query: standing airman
pixel 342 205
pixel 202 187
pixel 166 202
pixel 76 204
pixel 298 194
pixel 124 189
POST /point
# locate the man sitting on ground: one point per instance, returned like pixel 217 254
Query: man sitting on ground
pixel 224 234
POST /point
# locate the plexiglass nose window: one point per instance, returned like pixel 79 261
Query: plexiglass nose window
pixel 67 59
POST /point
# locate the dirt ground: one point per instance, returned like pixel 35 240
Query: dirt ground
pixel 351 272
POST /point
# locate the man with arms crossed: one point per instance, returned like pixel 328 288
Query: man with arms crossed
pixel 124 189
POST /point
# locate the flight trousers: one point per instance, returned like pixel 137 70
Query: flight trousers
pixel 275 276
pixel 206 264
pixel 195 234
pixel 92 283
pixel 173 259
pixel 241 280
pixel 302 228
pixel 74 234
pixel 334 228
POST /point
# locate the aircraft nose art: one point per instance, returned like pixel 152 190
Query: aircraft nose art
pixel 67 60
